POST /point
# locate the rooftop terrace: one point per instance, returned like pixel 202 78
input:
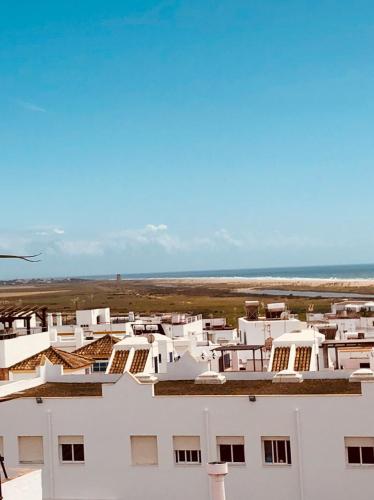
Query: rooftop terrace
pixel 58 390
pixel 257 388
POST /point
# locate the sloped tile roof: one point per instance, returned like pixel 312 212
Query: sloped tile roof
pixel 98 349
pixel 119 361
pixel 302 359
pixel 68 360
pixel 139 361
pixel 280 360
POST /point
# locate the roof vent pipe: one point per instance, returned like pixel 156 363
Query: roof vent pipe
pixel 217 472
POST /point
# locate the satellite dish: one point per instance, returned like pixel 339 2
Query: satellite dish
pixel 150 338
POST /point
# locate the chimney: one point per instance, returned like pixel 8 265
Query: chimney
pixel 217 472
pixel 79 337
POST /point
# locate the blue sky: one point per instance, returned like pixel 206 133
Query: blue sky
pixel 189 134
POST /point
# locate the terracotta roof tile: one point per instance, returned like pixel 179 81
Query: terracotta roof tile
pixel 280 360
pixel 68 360
pixel 139 361
pixel 119 361
pixel 98 349
pixel 302 359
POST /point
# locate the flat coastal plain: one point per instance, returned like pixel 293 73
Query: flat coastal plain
pixel 212 297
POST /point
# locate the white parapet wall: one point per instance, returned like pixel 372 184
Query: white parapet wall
pixel 16 349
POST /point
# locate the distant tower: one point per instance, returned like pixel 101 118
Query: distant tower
pixel 118 278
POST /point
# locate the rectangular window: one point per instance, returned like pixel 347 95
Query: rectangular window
pixel 30 450
pixel 159 358
pixel 144 450
pixel 231 449
pixel 100 365
pixel 359 450
pixel 277 450
pixel 187 449
pixel 170 357
pixel 71 449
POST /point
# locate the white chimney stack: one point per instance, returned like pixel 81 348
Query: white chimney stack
pixel 217 472
pixel 79 337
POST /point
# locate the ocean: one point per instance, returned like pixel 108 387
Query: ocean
pixel 352 271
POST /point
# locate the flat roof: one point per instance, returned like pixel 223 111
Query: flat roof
pixel 58 390
pixel 348 343
pixel 239 347
pixel 257 388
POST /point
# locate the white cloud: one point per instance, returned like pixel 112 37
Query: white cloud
pixel 52 240
pixel 154 228
pixel 80 247
pixel 223 235
pixel 29 106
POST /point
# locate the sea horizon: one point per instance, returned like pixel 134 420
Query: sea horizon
pixel 321 272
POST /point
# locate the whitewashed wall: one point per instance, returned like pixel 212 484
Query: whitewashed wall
pixel 316 425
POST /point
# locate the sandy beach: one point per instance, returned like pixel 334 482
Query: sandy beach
pixel 282 283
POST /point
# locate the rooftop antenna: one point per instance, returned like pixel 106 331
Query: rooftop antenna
pixel 28 258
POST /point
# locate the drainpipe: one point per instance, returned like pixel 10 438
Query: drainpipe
pixel 51 470
pixel 207 434
pixel 217 472
pixel 299 453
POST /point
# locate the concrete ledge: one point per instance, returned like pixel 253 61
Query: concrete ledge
pixel 362 374
pixel 210 377
pixel 288 377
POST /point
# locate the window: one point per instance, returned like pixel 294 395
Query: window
pixel 364 365
pixel 144 450
pixel 170 357
pixel 359 450
pixel 159 358
pixel 30 450
pixel 231 449
pixel 100 365
pixel 277 450
pixel 187 449
pixel 71 449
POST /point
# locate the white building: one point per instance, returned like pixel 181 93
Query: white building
pixel 117 438
pixel 255 329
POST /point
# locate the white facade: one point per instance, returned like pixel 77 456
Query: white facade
pixel 255 332
pixel 90 317
pixel 108 425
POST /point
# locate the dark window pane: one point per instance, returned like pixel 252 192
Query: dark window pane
pixel 199 457
pixel 194 456
pixel 367 455
pixel 188 456
pixel 66 452
pixel 354 455
pixel 281 452
pixel 238 452
pixel 176 456
pixel 289 461
pixel 268 451
pixel 78 452
pixel 182 456
pixel 225 453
